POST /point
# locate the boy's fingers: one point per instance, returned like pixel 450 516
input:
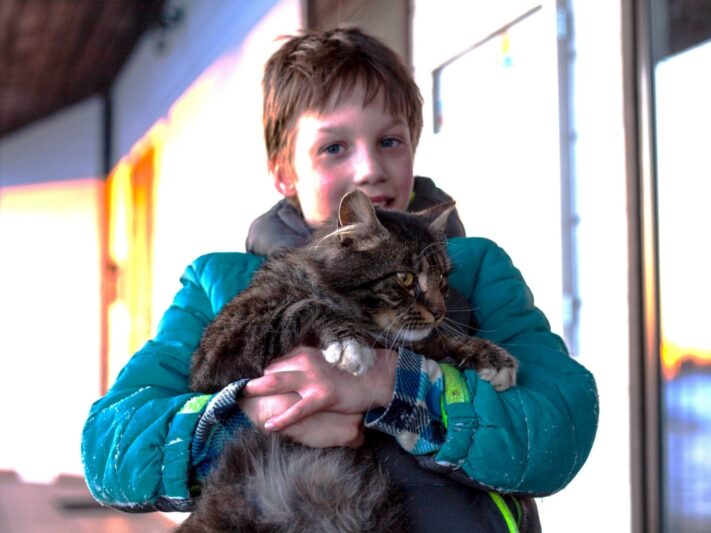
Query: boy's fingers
pixel 281 365
pixel 357 442
pixel 278 383
pixel 293 414
pixel 299 358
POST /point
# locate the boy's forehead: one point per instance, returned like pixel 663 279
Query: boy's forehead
pixel 353 98
pixel 352 94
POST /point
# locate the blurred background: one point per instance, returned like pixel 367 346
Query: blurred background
pixel 573 133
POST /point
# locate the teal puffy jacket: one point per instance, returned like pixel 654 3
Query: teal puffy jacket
pixel 531 439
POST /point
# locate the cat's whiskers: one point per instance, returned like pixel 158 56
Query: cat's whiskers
pixel 462 308
pixel 454 328
pixel 392 341
pixel 377 339
pixel 381 339
pixel 402 337
pixel 453 256
pixel 455 331
pixel 443 327
pixel 343 231
pixel 426 248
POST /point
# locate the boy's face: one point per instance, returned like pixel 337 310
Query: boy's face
pixel 349 147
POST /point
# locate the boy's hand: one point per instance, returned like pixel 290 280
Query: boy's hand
pixel 320 430
pixel 322 387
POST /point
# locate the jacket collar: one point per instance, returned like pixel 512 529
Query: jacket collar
pixel 284 227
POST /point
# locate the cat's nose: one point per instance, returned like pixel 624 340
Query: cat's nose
pixel 434 303
pixel 437 313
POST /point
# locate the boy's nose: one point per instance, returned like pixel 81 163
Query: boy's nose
pixel 367 167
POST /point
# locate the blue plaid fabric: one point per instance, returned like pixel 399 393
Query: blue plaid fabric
pixel 413 416
pixel 219 423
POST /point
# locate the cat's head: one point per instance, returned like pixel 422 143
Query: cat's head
pixel 393 265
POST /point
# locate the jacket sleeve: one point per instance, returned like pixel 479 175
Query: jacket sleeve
pixel 534 437
pixel 136 443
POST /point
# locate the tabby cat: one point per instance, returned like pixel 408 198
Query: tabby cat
pixel 379 279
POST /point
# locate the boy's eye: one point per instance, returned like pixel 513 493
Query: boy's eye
pixel 332 149
pixel 406 279
pixel 390 142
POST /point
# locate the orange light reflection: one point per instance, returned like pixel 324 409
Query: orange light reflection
pixel 673 356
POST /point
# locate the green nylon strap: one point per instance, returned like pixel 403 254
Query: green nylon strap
pixel 519 512
pixel 195 404
pixel 412 198
pixel 455 389
pixel 505 512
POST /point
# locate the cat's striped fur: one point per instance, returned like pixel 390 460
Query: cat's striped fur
pixel 375 278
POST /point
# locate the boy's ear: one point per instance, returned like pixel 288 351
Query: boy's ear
pixel 283 180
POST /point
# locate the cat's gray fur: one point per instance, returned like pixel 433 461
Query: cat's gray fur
pixel 264 484
pixel 378 278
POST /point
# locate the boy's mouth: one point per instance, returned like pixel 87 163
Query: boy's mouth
pixel 383 202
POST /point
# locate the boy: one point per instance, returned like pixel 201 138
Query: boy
pixel 341 113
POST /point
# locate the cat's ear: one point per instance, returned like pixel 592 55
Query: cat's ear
pixel 357 220
pixel 356 209
pixel 437 216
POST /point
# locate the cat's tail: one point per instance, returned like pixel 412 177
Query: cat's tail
pixel 264 484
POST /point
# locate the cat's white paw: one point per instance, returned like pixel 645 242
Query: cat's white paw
pixel 500 379
pixel 350 355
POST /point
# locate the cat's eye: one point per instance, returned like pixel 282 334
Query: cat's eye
pixel 406 279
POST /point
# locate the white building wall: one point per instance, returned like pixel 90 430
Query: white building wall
pixel 50 288
pixel 497 152
pixel 165 64
pixel 601 180
pixel 205 91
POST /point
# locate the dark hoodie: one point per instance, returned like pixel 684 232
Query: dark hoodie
pixel 284 227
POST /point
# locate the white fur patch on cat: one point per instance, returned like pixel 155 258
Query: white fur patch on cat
pixel 350 355
pixel 414 335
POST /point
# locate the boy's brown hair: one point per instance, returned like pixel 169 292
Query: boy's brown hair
pixel 310 69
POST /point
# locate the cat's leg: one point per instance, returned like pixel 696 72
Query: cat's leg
pixel 339 337
pixel 493 363
pixel 350 354
pixel 344 345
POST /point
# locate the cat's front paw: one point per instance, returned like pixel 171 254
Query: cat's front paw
pixel 501 378
pixel 493 363
pixel 498 367
pixel 350 355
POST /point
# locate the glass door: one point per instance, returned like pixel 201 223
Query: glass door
pixel 680 43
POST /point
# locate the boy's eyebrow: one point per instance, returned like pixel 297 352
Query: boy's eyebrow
pixel 396 122
pixel 329 129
